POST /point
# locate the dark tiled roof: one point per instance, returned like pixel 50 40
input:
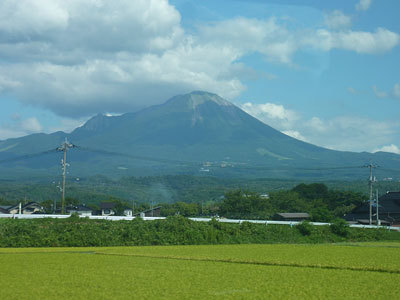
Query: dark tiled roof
pixel 149 210
pixel 80 207
pixel 23 206
pixel 294 215
pixel 3 210
pixel 388 203
pixel 30 203
pixel 107 205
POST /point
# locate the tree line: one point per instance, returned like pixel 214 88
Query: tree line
pixel 322 203
pixel 175 230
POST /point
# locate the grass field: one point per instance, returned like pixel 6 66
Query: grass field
pixel 361 270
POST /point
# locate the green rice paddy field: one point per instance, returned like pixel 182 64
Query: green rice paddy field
pixel 355 271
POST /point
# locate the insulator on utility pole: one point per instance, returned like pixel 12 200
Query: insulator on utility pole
pixel 65 146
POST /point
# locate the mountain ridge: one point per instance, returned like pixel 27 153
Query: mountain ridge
pixel 198 127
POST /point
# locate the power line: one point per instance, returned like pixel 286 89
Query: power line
pixel 198 164
pixel 138 157
pixel 27 156
pixel 230 166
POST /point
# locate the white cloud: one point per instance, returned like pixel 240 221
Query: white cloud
pixel 363 5
pixel 77 58
pixel 378 93
pixel 390 148
pixel 346 133
pixel 35 17
pixel 350 133
pixel 337 20
pixel 380 41
pixel 317 125
pixel 272 114
pixel 252 35
pixel 396 91
pixel 7 84
pixel 31 125
pixel 352 90
pixel 67 125
pixel 295 134
pixel 20 127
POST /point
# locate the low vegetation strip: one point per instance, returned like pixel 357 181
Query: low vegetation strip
pixel 198 272
pixel 78 232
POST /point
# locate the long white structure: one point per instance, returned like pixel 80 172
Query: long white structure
pixel 222 220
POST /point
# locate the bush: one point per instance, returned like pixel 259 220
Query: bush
pixel 305 228
pixel 175 230
pixel 340 227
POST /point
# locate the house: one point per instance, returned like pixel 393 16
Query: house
pixel 108 209
pixel 388 210
pixel 81 210
pixel 26 209
pixel 153 212
pixel 297 217
pixel 128 212
pixel 4 209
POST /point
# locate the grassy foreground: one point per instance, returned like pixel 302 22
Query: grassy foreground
pixel 359 270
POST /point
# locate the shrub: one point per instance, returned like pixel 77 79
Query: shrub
pixel 305 228
pixel 340 227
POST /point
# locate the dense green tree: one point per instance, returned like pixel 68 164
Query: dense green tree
pixel 180 208
pixel 244 204
pixel 312 191
pixel 288 201
pixel 71 201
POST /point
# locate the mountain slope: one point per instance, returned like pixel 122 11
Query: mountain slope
pixel 197 127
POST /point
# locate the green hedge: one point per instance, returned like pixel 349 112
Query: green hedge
pixel 175 230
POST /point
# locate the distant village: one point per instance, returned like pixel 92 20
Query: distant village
pixel 386 212
pixel 106 209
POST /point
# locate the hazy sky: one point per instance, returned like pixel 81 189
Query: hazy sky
pixel 327 72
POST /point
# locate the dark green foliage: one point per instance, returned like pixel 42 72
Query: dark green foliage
pixel 312 191
pixel 322 214
pixel 322 203
pixel 180 208
pixel 244 204
pixel 288 201
pixel 175 230
pixel 340 227
pixel 305 228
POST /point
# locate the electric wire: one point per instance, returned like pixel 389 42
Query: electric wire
pixel 27 156
pixel 229 166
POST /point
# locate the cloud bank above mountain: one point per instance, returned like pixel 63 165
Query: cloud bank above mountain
pixel 77 58
pixel 346 133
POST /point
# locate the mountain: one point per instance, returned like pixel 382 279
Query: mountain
pixel 189 133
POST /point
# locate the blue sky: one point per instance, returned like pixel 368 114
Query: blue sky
pixel 326 72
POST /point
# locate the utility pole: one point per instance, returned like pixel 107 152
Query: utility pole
pixel 371 181
pixel 65 146
pixel 377 209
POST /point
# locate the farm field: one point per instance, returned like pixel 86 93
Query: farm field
pixel 359 270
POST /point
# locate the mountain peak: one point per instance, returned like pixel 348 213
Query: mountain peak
pixel 96 124
pixel 196 98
